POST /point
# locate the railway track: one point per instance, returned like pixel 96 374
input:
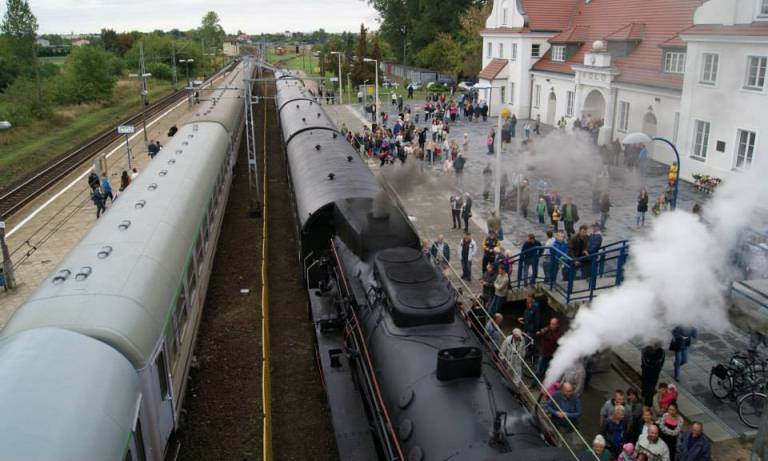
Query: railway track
pixel 25 190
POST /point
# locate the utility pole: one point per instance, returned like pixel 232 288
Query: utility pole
pixel 10 278
pixel 142 76
pixel 173 59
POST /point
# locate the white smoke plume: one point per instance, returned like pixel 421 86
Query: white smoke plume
pixel 677 276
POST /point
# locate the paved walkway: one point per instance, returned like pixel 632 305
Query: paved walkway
pixel 425 198
pixel 39 243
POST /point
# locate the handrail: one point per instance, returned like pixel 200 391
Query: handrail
pixel 354 326
pixel 501 363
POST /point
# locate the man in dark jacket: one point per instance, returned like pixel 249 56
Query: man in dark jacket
pixel 594 243
pixel 548 337
pixel 692 445
pixel 652 361
pixel 466 211
pixel 530 257
pixel 577 247
pixel 570 213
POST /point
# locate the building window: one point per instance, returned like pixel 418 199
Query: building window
pixel 709 68
pixel 571 101
pixel 558 53
pixel 501 50
pixel 535 50
pixel 674 62
pixel 756 72
pixel 623 116
pixel 745 149
pixel 514 51
pixel 503 95
pixel 511 92
pixel 763 13
pixel 490 49
pixel 700 139
pixel 503 17
pixel 537 96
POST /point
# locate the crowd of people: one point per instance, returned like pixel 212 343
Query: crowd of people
pixel 101 189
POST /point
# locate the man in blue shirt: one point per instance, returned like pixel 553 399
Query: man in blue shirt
pixel 563 407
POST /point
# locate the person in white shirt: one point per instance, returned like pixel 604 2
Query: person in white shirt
pixel 650 445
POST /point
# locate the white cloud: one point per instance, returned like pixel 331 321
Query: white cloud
pixel 254 16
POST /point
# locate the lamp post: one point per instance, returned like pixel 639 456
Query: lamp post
pixel 341 91
pixel 642 138
pixel 10 279
pixel 189 82
pixel 376 91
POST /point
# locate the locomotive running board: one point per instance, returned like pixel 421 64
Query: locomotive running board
pixel 354 438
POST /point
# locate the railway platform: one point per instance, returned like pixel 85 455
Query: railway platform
pixel 425 198
pixel 42 232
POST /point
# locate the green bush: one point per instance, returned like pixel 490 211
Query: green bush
pixel 24 100
pixel 160 71
pixel 88 76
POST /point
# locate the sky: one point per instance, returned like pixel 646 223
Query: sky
pixel 250 16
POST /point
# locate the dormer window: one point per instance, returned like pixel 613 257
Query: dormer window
pixel 674 62
pixel 558 53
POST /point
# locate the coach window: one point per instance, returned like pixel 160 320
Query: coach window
pixel 162 375
pixel 182 314
pixel 138 445
pixel 191 278
pixel 199 252
pixel 170 340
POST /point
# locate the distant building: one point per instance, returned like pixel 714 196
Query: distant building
pixel 231 47
pixel 81 42
pixel 43 43
pixel 692 71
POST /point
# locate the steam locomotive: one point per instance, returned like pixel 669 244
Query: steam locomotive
pixel 405 376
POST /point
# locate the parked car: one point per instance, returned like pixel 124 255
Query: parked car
pixel 388 83
pixel 415 85
pixel 466 85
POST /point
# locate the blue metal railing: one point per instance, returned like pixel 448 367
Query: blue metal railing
pixel 575 279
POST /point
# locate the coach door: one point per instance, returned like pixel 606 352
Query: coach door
pixel 164 402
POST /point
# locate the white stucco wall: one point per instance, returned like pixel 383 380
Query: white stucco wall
pixel 727 105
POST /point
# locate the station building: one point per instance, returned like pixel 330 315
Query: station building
pixel 692 71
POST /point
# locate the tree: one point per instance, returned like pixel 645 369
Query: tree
pixel 360 70
pixel 88 76
pixel 19 26
pixel 19 22
pixel 109 41
pixel 471 22
pixel 211 31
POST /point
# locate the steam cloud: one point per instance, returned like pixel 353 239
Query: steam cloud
pixel 677 276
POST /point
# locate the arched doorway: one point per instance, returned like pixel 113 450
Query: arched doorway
pixel 551 108
pixel 594 106
pixel 649 128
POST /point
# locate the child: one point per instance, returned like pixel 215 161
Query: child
pixel 627 453
pixel 541 209
pixel 555 217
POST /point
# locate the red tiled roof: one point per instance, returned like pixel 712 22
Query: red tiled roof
pixel 662 20
pixel 752 29
pixel 632 31
pixel 549 15
pixel 575 34
pixel 492 69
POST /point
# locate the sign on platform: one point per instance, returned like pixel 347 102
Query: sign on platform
pixel 126 129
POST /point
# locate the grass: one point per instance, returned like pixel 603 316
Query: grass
pixel 58 60
pixel 27 148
